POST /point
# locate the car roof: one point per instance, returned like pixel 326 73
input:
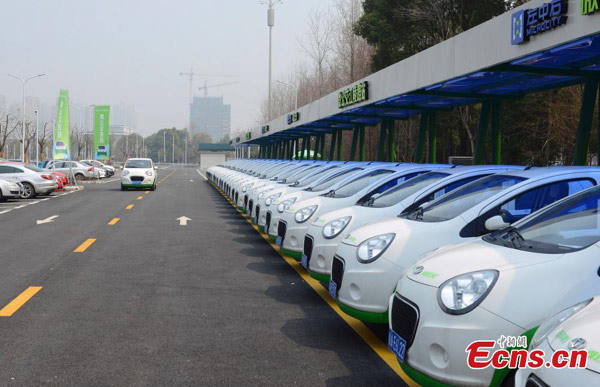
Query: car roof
pixel 541 172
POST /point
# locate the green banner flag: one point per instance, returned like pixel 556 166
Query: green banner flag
pixel 61 141
pixel 101 133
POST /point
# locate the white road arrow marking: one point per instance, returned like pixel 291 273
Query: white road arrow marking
pixel 47 220
pixel 183 220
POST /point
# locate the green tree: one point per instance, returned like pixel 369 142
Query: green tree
pixel 401 28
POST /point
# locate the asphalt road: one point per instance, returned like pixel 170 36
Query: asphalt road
pixel 151 302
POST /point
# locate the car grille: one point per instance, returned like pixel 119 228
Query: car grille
pixel 534 381
pixel 404 317
pixel 245 202
pixel 268 219
pixel 308 247
pixel 281 229
pixel 337 271
pixel 250 206
pixel 137 178
pixel 257 213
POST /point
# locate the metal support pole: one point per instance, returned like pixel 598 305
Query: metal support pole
pixel 291 155
pixel 354 142
pixel 586 117
pixel 306 148
pixel 391 141
pixel 484 120
pixel 421 139
pixel 432 138
pixel 496 133
pixel 332 146
pixel 363 148
pixel 317 147
pixel 382 133
pixel 339 144
pixel 323 147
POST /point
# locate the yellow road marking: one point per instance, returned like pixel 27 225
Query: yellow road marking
pixel 140 197
pixel 84 246
pixel 358 326
pixel 147 192
pixel 18 302
pixel 113 221
pixel 129 207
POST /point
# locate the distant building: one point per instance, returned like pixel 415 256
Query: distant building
pixel 120 130
pixel 210 115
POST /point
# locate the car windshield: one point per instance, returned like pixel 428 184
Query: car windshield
pixel 332 180
pixel 138 164
pixel 274 171
pixel 309 180
pixel 568 226
pixel 458 201
pixel 87 163
pixel 355 185
pixel 400 192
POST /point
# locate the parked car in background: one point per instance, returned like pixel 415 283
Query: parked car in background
pixel 62 180
pixel 110 170
pixel 80 171
pixel 35 181
pixel 10 189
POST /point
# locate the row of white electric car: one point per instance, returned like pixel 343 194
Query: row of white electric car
pixel 446 255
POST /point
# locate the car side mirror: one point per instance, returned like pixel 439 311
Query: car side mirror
pixel 121 167
pixel 155 168
pixel 495 223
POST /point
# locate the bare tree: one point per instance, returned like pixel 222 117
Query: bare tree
pixel 44 138
pixel 7 127
pixel 318 44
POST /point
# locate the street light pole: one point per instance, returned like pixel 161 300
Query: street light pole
pixel 24 82
pixel 295 88
pixel 270 24
pixel 165 146
pixel 37 138
pixel 173 150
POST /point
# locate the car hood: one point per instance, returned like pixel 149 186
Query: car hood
pixel 138 171
pixel 392 224
pixel 450 261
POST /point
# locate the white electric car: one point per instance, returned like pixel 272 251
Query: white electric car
pixel 315 185
pixel 371 260
pixel 506 283
pixel 138 173
pixel 573 328
pixel 325 233
pixel 293 223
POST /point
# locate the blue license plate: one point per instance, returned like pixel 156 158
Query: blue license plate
pixel 397 345
pixel 136 182
pixel 304 261
pixel 278 241
pixel 332 289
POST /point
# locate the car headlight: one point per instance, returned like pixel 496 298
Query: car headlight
pixel 335 227
pixel 304 214
pixel 125 172
pixel 373 248
pixel 271 199
pixel 254 191
pixel 148 173
pixel 245 188
pixel 553 322
pixel 462 294
pixel 284 205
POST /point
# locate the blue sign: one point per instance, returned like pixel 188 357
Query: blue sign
pixel 534 21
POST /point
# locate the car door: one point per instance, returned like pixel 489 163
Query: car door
pixel 521 204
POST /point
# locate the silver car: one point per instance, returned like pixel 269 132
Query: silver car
pixel 110 170
pixel 80 171
pixel 35 181
pixel 10 189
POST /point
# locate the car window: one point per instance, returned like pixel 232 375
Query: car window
pixel 456 202
pixel 332 180
pixel 442 191
pixel 360 183
pixel 569 226
pixel 527 203
pixel 387 185
pixel 6 169
pixel 309 180
pixel 138 164
pixel 400 192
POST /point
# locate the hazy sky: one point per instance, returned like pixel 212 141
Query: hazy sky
pixel 132 51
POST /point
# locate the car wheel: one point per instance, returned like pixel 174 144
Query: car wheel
pixel 79 176
pixel 153 188
pixel 28 191
pixel 1 197
pixel 122 188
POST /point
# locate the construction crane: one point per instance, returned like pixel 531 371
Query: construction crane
pixel 205 87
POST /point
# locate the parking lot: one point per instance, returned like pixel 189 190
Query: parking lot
pixel 147 301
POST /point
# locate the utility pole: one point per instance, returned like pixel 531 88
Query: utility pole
pixel 164 146
pixel 190 75
pixel 173 150
pixel 37 138
pixel 270 24
pixel 24 82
